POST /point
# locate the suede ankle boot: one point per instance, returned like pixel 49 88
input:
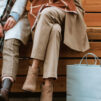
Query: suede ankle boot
pixel 4 91
pixel 46 93
pixel 31 80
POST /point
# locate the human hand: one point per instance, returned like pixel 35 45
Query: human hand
pixel 10 23
pixel 1 31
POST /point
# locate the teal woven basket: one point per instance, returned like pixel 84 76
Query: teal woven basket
pixel 84 81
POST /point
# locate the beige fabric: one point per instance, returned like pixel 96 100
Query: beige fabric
pixel 46 42
pixel 21 30
pixel 48 17
pixel 50 65
pixel 31 79
pixel 10 58
pixel 75 35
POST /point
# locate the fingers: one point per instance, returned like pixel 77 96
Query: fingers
pixel 6 24
pixel 9 23
pixel 1 31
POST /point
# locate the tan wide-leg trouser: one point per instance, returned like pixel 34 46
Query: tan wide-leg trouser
pixel 46 43
pixel 10 58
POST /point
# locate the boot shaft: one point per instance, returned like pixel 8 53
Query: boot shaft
pixel 7 84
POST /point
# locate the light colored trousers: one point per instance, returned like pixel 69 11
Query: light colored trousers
pixel 46 44
pixel 10 58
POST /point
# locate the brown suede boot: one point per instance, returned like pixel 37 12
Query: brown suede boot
pixel 4 91
pixel 30 82
pixel 46 93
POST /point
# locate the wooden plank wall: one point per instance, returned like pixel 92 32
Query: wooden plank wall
pixel 67 56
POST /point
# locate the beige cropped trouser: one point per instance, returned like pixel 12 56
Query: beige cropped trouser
pixel 47 37
pixel 46 45
pixel 10 58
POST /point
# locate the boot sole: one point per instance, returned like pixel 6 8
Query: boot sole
pixel 28 90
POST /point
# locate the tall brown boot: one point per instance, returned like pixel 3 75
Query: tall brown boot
pixel 30 82
pixel 46 93
pixel 4 91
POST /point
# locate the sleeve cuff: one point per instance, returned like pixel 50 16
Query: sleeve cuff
pixel 15 15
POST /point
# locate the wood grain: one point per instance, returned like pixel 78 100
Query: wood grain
pixel 65 52
pixel 94 33
pixel 24 64
pixel 92 5
pixel 93 19
pixel 59 84
pixel 95 47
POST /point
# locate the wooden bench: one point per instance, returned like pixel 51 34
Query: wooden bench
pixel 67 56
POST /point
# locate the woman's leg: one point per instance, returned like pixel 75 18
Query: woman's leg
pixel 48 18
pixel 10 58
pixel 47 90
pixel 31 79
pixel 51 63
pixel 10 66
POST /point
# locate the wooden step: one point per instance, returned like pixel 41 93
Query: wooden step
pixel 24 65
pixel 92 5
pixel 59 84
pixel 66 52
pixel 94 33
pixel 93 19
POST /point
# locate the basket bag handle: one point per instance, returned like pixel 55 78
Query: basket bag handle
pixel 95 57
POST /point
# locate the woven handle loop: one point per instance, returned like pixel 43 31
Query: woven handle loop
pixel 95 57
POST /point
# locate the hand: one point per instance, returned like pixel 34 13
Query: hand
pixel 1 31
pixel 10 23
